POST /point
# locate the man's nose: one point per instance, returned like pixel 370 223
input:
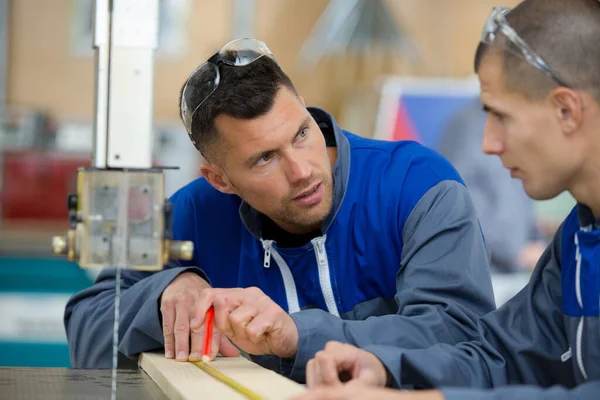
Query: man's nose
pixel 298 169
pixel 491 143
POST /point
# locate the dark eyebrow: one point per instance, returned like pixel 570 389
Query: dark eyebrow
pixel 255 157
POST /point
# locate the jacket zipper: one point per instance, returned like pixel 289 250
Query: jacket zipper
pixel 324 276
pixel 578 350
pixel 291 294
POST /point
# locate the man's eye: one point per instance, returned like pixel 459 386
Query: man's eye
pixel 302 134
pixel 265 158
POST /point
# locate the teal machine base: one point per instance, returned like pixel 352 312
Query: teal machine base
pixel 33 292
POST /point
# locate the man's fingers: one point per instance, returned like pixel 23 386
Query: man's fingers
pixel 224 301
pixel 264 323
pixel 226 348
pixel 322 393
pixel 328 369
pixel 240 317
pixel 311 373
pixel 224 304
pixel 259 327
pixel 356 364
pixel 198 325
pixel 367 377
pixel 215 343
pixel 197 343
pixel 167 310
pixel 219 344
pixel 182 332
pixel 336 362
pixel 204 302
pixel 345 356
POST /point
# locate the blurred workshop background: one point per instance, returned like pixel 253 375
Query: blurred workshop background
pixel 396 69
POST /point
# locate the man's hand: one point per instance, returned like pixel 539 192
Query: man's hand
pixel 251 320
pixel 347 361
pixel 357 391
pixel 178 305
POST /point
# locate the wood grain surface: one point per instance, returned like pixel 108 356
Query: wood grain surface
pixel 185 381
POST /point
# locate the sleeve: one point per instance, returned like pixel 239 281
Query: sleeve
pixel 89 316
pixel 522 342
pixel 587 391
pixel 442 286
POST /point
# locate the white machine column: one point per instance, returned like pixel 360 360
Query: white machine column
pixel 128 29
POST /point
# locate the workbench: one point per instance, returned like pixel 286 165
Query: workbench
pixel 157 378
pixel 72 384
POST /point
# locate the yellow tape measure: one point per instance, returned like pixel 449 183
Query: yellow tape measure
pixel 218 375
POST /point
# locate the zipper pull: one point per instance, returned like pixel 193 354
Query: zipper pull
pixel 319 243
pixel 566 356
pixel 267 246
pixel 322 240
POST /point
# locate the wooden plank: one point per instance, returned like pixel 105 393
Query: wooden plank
pixel 186 381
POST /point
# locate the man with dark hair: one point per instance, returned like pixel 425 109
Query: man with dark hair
pixel 301 230
pixel 538 68
pixel 505 211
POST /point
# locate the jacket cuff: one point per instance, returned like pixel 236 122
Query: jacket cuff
pixel 296 367
pixel 149 317
pixel 391 360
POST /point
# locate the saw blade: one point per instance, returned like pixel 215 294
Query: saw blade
pixel 115 349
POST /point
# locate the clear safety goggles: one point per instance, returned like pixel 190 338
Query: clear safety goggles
pixel 497 24
pixel 204 80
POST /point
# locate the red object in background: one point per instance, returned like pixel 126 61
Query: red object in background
pixel 35 184
pixel 403 127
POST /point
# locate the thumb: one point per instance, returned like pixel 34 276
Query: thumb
pixel 367 376
pixel 226 348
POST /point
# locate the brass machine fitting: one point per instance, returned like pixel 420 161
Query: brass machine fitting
pixel 178 250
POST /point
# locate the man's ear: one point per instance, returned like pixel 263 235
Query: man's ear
pixel 216 177
pixel 568 107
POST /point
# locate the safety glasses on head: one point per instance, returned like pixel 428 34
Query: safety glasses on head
pixel 204 80
pixel 497 25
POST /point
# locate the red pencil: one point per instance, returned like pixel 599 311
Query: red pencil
pixel 208 331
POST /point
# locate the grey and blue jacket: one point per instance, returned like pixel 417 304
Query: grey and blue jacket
pixel 542 344
pixel 402 249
